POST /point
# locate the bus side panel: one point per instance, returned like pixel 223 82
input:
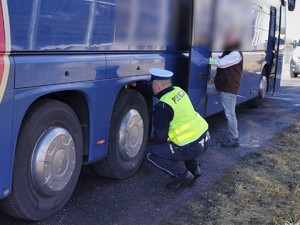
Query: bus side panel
pixel 47 75
pixel 33 71
pixel 6 109
pixel 126 65
pixel 179 63
pixel 213 103
pixel 100 96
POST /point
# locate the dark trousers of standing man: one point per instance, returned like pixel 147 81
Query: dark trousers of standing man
pixel 175 160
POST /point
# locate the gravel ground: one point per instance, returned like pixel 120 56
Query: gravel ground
pixel 143 199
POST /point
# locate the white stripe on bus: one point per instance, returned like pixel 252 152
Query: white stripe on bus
pixel 7 48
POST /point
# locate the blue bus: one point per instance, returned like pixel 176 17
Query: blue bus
pixel 65 67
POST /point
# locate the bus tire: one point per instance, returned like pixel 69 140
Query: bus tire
pixel 293 75
pixel 257 101
pixel 127 137
pixel 47 161
pixel 254 103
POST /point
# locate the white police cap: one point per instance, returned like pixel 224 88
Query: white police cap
pixel 160 74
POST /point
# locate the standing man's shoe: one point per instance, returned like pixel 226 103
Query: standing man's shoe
pixel 181 180
pixel 232 142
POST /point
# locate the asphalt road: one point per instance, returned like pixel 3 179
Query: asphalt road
pixel 143 199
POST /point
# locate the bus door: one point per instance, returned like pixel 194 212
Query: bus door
pixel 280 48
pixel 272 51
pixel 199 54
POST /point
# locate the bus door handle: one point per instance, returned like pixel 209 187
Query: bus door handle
pixel 202 77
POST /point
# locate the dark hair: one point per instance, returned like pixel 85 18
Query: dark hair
pixel 233 47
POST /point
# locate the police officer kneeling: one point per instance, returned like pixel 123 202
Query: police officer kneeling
pixel 180 133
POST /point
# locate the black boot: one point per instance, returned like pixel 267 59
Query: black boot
pixel 196 171
pixel 194 167
pixel 181 180
pixel 231 143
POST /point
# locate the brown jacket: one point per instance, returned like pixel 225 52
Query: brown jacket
pixel 229 79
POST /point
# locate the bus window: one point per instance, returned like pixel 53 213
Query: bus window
pixel 20 20
pixel 61 24
pixel 152 24
pixel 103 27
pixel 141 23
pixel 202 23
pixel 283 22
pixel 260 24
pixel 232 16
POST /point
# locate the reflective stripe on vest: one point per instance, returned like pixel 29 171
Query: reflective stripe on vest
pixel 187 125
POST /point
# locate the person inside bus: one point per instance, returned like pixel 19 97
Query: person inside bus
pixel 180 133
pixel 226 83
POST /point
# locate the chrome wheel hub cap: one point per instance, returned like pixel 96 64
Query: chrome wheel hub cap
pixel 263 87
pixel 131 135
pixel 53 161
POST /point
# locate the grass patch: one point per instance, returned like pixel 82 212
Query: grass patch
pixel 264 188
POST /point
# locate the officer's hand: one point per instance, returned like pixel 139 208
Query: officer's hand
pixel 133 84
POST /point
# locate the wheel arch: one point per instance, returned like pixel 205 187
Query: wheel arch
pixel 262 88
pixel 147 98
pixel 125 85
pixel 108 166
pixel 77 101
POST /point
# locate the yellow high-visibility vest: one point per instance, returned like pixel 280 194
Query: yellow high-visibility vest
pixel 187 125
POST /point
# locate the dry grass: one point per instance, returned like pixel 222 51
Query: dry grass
pixel 264 188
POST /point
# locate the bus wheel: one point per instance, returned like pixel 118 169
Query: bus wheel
pixel 47 161
pixel 257 101
pixel 127 138
pixel 293 75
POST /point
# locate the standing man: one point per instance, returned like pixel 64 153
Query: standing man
pixel 180 133
pixel 227 84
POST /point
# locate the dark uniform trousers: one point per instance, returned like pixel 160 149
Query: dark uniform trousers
pixel 173 159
